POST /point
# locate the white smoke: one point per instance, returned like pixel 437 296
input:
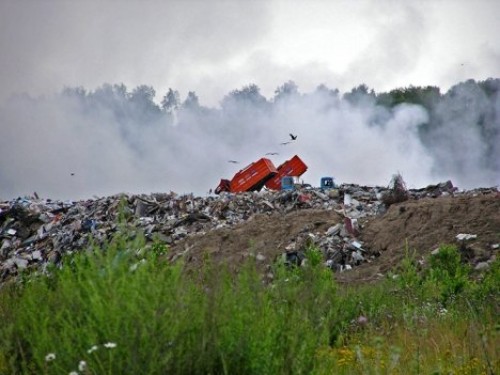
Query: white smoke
pixel 465 141
pixel 101 143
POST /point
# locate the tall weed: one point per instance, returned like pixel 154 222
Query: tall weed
pixel 124 309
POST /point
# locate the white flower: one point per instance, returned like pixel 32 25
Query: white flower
pixel 92 349
pixel 73 373
pixel 82 366
pixel 442 311
pixel 110 345
pixel 50 357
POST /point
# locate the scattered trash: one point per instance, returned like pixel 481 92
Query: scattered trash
pixel 465 236
pixel 351 225
pixel 333 230
pixel 397 191
pixel 482 266
pixel 35 231
pixel 260 257
pixel 293 258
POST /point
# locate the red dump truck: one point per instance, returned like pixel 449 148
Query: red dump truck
pixel 260 173
pixel 293 167
pixel 251 178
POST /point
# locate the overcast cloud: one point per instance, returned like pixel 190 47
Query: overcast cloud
pixel 212 48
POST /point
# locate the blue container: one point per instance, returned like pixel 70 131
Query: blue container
pixel 327 183
pixel 287 183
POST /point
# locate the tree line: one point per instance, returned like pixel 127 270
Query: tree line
pixel 142 98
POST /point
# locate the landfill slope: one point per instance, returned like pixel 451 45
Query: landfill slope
pixel 421 226
pixel 418 226
pixel 360 238
pixel 263 237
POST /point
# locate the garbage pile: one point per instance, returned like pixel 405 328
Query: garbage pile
pixel 36 232
pixel 340 244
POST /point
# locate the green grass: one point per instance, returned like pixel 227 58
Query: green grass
pixel 166 321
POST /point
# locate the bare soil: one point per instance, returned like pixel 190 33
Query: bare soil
pixel 265 235
pixel 418 226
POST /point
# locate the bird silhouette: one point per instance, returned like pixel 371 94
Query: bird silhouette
pixel 293 137
pixel 272 153
pixel 285 143
pixel 232 161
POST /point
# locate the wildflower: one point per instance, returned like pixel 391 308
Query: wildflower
pixel 82 366
pixel 92 349
pixel 110 345
pixel 362 320
pixel 346 356
pixel 50 357
pixel 442 311
pixel 73 373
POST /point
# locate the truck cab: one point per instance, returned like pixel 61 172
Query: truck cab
pixel 327 183
pixel 292 183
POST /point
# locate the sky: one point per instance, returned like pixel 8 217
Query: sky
pixel 212 48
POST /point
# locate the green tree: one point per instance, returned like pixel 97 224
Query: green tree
pixel 427 96
pixel 171 101
pixel 192 102
pixel 287 90
pixel 360 95
pixel 249 97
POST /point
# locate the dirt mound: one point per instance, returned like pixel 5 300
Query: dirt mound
pixel 419 225
pixel 263 236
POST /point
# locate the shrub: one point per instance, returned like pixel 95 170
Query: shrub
pixel 447 272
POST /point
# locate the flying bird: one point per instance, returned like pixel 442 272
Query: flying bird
pixel 293 137
pixel 272 153
pixel 72 174
pixel 232 161
pixel 285 143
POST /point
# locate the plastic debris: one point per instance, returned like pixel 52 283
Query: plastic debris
pixel 465 236
pixel 35 232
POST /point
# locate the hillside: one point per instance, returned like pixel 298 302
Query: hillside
pixel 361 240
pixel 420 225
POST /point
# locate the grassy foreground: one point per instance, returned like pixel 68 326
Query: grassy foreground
pixel 125 310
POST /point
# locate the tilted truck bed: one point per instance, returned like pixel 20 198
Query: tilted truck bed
pixel 251 178
pixel 254 176
pixel 293 167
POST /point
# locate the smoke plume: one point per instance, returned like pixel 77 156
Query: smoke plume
pixel 77 144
